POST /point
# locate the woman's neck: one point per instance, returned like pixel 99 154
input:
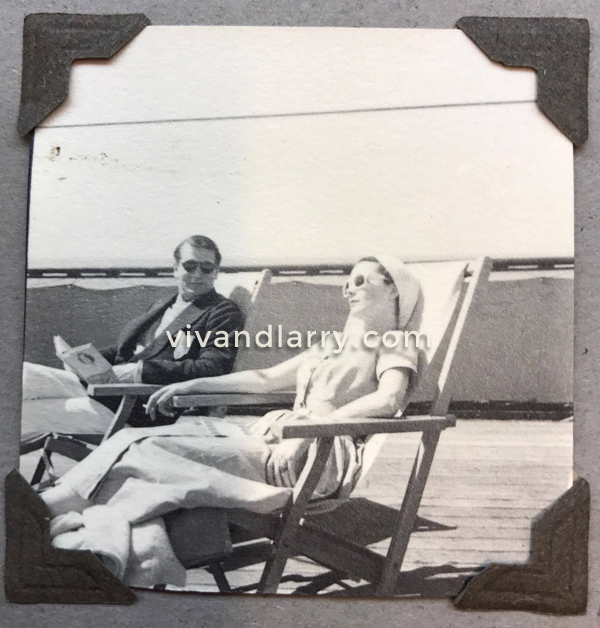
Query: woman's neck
pixel 357 327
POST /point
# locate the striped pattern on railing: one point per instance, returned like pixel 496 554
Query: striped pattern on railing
pixel 499 265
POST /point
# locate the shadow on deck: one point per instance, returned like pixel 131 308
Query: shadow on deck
pixel 488 480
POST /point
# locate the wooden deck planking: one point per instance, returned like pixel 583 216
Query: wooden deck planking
pixel 488 479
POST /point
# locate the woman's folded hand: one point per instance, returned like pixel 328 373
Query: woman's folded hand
pixel 286 461
pixel 286 417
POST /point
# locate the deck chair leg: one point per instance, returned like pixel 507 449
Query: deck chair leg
pixel 74 449
pixel 408 513
pixel 221 581
pixel 290 519
pixel 40 470
pixel 121 416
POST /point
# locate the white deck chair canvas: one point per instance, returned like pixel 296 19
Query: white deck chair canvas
pixel 450 292
pixel 442 284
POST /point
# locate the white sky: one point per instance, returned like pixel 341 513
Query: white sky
pixel 143 163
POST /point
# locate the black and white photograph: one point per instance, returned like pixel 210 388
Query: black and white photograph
pixel 299 311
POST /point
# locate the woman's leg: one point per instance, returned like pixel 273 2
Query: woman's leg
pixel 86 476
pixel 75 488
pixel 62 499
pixel 161 474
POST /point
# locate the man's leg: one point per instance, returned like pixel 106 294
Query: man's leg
pixel 45 382
pixel 56 401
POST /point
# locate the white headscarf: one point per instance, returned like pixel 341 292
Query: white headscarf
pixel 410 296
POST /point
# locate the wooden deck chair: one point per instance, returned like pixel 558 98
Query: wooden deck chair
pixel 245 292
pixel 312 529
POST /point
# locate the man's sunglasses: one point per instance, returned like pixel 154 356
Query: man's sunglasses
pixel 191 266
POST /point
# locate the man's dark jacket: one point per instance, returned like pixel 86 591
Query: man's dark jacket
pixel 165 364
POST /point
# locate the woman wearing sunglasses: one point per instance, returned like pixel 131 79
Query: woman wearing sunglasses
pixel 139 475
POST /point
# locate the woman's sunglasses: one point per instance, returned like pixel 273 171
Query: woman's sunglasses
pixel 358 281
pixel 190 266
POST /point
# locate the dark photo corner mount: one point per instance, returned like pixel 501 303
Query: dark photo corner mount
pixel 558 49
pixel 51 42
pixel 555 578
pixel 34 571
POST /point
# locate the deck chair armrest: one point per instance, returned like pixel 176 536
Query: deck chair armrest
pixel 119 390
pixel 323 428
pixel 234 399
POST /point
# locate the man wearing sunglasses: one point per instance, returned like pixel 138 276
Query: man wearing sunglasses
pixel 54 399
pixel 144 351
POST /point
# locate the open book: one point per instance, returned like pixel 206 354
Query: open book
pixel 85 361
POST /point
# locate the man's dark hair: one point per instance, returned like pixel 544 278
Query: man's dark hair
pixel 198 242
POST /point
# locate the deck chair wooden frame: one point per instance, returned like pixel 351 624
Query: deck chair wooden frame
pixel 78 446
pixel 291 531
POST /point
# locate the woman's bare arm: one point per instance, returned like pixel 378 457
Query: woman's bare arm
pixel 386 401
pixel 278 377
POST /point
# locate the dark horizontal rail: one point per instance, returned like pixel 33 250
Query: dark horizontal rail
pixel 493 409
pixel 290 270
pixel 524 264
pixel 497 409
